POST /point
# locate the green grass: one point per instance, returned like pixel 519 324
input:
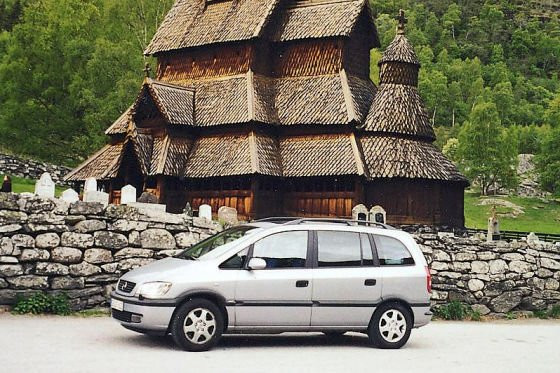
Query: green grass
pixel 21 185
pixel 539 215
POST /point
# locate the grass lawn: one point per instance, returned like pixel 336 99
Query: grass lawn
pixel 538 215
pixel 21 185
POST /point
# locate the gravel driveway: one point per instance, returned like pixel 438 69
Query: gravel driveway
pixel 71 344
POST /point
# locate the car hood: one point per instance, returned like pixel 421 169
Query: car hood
pixel 168 269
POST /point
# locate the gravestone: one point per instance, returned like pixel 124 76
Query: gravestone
pixel 6 185
pixel 128 195
pixel 205 211
pixel 148 197
pixel 228 216
pixel 532 238
pixel 493 227
pixel 44 187
pixel 95 196
pixel 90 185
pixel 360 212
pixel 378 214
pixel 70 195
pixel 188 210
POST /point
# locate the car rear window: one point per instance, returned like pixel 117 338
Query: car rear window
pixel 392 252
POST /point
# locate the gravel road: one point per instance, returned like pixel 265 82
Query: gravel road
pixel 72 344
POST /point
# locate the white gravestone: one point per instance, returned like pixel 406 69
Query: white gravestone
pixel 378 214
pixel 70 195
pixel 99 197
pixel 128 195
pixel 44 187
pixel 360 212
pixel 90 185
pixel 228 215
pixel 205 211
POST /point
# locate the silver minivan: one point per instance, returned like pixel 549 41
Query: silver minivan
pixel 279 275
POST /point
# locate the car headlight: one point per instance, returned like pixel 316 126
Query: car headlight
pixel 154 290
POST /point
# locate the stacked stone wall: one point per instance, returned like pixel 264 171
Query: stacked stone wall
pixel 30 169
pixel 83 248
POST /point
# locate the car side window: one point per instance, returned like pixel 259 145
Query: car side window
pixel 237 261
pixel 338 249
pixel 283 250
pixel 392 252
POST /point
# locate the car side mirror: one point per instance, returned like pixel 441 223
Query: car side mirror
pixel 256 264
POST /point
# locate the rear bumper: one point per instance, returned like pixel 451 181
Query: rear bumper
pixel 422 316
pixel 151 317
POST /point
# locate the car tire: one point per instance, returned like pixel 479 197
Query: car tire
pixel 390 326
pixel 197 325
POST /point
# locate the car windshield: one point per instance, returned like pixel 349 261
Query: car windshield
pixel 217 243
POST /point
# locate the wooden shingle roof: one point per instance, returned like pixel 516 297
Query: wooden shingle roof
pixel 120 126
pixel 102 165
pixel 192 23
pixel 400 50
pixel 175 103
pixel 398 109
pixel 321 155
pixel 169 155
pixel 306 19
pixel 394 157
pixel 233 155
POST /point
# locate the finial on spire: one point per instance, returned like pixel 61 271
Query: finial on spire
pixel 147 70
pixel 402 22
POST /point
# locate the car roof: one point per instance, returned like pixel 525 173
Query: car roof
pixel 322 223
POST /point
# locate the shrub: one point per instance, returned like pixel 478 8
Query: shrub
pixel 453 310
pixel 40 303
pixel 554 312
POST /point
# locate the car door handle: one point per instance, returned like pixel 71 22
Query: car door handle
pixel 302 284
pixel 370 282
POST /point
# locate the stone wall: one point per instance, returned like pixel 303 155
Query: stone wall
pixel 15 166
pixel 82 249
pixel 493 277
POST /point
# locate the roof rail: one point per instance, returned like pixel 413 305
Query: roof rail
pixel 295 221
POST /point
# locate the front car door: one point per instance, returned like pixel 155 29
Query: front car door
pixel 347 282
pixel 280 294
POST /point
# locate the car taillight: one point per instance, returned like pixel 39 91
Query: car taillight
pixel 428 279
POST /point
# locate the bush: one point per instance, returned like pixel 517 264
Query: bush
pixel 455 310
pixel 41 303
pixel 553 313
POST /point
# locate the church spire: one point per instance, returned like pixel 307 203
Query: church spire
pixel 402 22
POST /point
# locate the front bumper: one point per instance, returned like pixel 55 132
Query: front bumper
pixel 144 315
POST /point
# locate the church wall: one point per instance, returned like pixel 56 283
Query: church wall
pixel 418 201
pixel 208 62
pixel 307 58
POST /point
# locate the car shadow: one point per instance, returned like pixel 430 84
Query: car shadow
pixel 239 341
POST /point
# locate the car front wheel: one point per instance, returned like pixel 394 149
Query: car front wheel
pixel 197 325
pixel 390 326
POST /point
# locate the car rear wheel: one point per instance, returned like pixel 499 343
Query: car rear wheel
pixel 197 325
pixel 390 326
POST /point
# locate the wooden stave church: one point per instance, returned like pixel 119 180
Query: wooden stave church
pixel 267 107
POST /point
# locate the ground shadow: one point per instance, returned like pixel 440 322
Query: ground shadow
pixel 238 341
